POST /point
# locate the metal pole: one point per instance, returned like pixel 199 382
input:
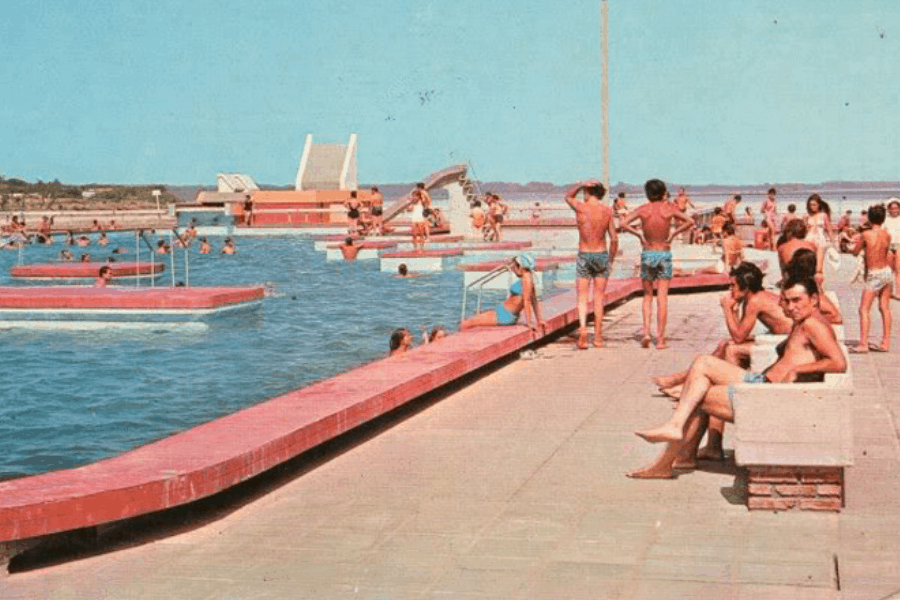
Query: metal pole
pixel 172 258
pixel 604 91
pixel 152 268
pixel 186 272
pixel 137 251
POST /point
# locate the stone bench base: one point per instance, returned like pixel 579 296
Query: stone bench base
pixel 801 488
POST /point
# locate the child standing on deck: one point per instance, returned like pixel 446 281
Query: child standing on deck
pixel 656 258
pixel 877 244
pixel 595 222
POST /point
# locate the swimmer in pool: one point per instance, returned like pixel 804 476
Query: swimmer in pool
pixel 228 247
pixel 83 241
pixel 103 277
pixel 401 341
pixel 102 239
pixel 522 297
pixel 162 247
pixel 348 250
pixel 205 248
pixel 120 251
pixel 66 256
pixel 85 258
pixel 403 271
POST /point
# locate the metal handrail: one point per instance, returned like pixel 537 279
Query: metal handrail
pixel 480 282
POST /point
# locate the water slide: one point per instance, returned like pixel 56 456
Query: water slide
pixel 437 179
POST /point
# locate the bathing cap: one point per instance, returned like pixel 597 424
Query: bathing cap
pixel 526 261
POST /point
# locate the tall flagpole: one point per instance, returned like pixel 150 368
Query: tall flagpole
pixel 604 90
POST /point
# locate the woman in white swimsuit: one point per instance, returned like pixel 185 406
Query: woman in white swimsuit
pixel 818 230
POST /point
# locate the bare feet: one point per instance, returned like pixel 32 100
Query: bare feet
pixel 582 341
pixel 858 350
pixel 598 342
pixel 884 347
pixel 711 453
pixel 661 344
pixel 645 341
pixel 651 473
pixel 665 433
pixel 673 392
pixel 664 381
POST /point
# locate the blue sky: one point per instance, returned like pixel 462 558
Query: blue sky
pixel 701 92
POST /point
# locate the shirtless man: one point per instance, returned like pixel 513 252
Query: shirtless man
pixel 595 222
pixel 731 206
pixel 810 351
pixel 205 248
pixel 745 303
pixel 656 217
pixel 496 211
pixel 420 201
pixel 348 249
pixel 683 201
pixel 795 239
pixel 877 245
pixel 228 247
pixel 803 265
pixel 716 224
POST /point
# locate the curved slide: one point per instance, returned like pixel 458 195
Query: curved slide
pixel 437 179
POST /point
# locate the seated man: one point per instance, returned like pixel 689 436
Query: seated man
pixel 803 265
pixel 810 350
pixel 745 304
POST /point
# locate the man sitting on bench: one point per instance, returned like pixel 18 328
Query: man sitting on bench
pixel 810 350
pixel 745 303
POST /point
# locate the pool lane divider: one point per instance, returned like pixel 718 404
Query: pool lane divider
pixel 215 456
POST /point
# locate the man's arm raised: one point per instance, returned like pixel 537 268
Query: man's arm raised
pixel 571 193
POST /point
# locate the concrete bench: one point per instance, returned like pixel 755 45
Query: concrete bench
pixel 794 439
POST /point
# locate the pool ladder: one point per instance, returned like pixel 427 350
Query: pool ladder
pixel 480 282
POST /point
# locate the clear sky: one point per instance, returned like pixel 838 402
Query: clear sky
pixel 727 91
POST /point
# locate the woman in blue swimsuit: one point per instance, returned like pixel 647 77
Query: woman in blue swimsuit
pixel 521 297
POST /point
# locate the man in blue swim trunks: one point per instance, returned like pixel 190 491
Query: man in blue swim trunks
pixel 595 223
pixel 656 235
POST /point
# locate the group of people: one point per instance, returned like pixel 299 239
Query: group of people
pixel 488 216
pixel 402 340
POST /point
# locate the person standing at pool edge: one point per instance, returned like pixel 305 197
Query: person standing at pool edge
pixel 595 222
pixel 656 237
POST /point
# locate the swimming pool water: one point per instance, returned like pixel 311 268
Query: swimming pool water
pixel 75 397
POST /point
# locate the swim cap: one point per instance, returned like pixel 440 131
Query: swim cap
pixel 526 261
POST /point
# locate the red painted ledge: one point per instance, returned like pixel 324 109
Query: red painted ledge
pixel 217 455
pixel 111 298
pixel 85 270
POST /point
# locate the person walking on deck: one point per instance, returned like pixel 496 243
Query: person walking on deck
pixel 595 223
pixel 656 217
pixel 877 244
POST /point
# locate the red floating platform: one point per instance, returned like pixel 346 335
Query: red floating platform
pixel 424 253
pixel 367 244
pixel 33 298
pixel 542 263
pixel 86 270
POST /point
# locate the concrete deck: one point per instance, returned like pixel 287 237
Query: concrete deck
pixel 512 487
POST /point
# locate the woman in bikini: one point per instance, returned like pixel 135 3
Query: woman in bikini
pixel 522 297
